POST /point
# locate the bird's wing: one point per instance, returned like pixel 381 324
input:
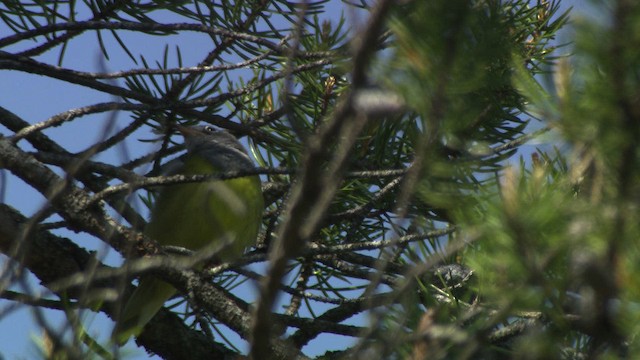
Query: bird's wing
pixel 172 167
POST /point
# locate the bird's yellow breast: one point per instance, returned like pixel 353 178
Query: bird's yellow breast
pixel 197 214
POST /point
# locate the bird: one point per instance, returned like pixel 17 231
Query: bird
pixel 194 215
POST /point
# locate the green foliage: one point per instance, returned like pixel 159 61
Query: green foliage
pixel 510 250
pixel 561 234
pixel 457 76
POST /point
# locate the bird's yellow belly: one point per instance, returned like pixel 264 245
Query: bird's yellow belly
pixel 215 212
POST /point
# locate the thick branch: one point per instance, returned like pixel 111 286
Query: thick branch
pixel 53 259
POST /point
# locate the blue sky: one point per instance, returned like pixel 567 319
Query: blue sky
pixel 18 91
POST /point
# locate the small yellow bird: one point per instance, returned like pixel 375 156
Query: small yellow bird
pixel 195 215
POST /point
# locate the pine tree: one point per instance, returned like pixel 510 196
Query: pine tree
pixel 404 210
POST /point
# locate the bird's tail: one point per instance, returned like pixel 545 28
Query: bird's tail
pixel 143 304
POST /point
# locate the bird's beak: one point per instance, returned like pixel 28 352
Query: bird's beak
pixel 187 131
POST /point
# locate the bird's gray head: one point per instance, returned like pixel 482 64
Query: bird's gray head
pixel 218 146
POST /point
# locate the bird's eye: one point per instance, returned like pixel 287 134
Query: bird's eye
pixel 209 129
